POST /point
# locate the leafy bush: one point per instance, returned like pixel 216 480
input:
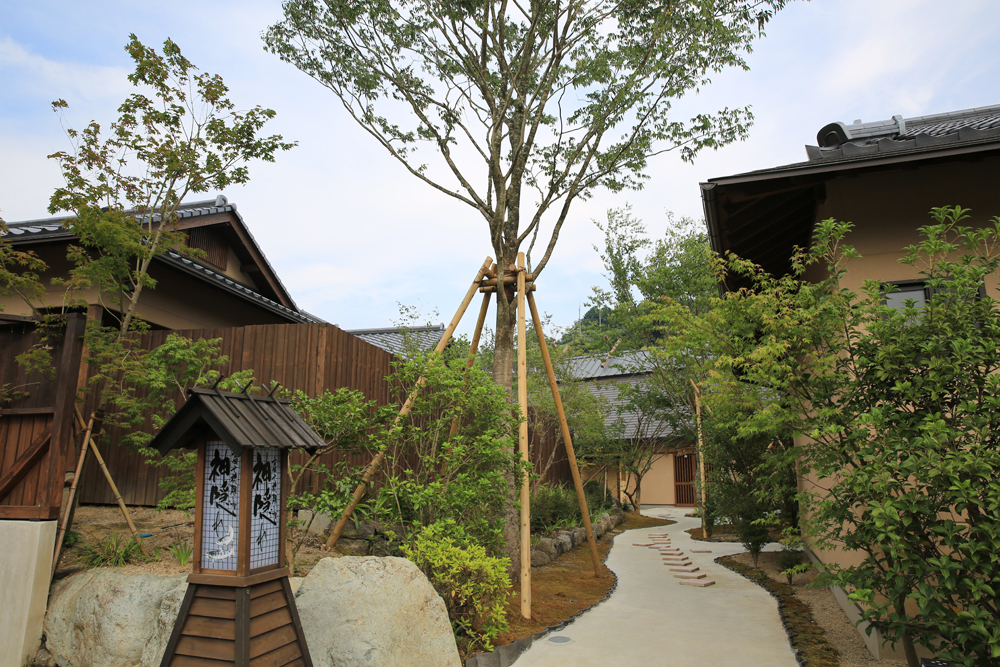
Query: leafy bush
pixel 556 505
pixel 115 550
pixel 474 586
pixel 451 456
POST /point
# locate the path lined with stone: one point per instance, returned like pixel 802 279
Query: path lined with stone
pixel 674 605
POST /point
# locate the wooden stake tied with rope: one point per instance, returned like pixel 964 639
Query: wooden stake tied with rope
pixel 567 438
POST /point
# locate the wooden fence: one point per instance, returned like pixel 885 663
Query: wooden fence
pixel 309 357
pixel 36 433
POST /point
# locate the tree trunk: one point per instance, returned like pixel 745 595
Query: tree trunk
pixel 503 368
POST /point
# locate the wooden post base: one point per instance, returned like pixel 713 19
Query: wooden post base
pixel 254 625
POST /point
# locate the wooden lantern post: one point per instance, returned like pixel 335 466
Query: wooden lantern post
pixel 239 608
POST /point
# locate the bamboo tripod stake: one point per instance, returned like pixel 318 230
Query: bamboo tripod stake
pixel 524 293
pixel 64 526
pixel 567 438
pixel 701 453
pixel 405 410
pixel 522 442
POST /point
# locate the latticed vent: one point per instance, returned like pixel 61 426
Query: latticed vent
pixel 211 241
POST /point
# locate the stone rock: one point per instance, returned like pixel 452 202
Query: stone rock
pixel 104 618
pixel 539 558
pixel 598 529
pixel 45 659
pixel 295 582
pixel 548 547
pixel 352 547
pixel 369 612
pixel 318 525
pixel 564 542
pixel 579 535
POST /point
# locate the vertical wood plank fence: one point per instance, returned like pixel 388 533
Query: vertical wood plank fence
pixel 39 443
pixel 307 357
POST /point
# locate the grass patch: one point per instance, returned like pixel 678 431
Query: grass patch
pixel 567 585
pixel 114 550
pixel 808 638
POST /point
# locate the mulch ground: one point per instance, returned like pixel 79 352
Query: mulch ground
pixel 567 585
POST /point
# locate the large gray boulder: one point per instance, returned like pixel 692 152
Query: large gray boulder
pixel 356 612
pixel 105 618
pixel 378 612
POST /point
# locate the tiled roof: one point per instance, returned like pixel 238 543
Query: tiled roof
pixel 632 424
pixel 52 229
pixel 839 140
pixel 400 340
pixel 590 366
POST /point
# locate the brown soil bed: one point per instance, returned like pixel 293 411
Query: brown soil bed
pixel 95 522
pixel 726 533
pixel 567 585
pixel 811 613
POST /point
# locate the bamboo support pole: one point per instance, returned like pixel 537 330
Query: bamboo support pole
pixel 68 514
pixel 701 453
pixel 473 350
pixel 522 441
pixel 405 410
pixel 118 495
pixel 490 289
pixel 564 427
pixel 507 280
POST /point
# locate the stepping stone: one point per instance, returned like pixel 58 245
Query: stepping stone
pixel 673 552
pixel 696 582
pixel 675 559
pixel 641 544
pixel 685 568
pixel 701 551
pixel 685 563
pixel 690 575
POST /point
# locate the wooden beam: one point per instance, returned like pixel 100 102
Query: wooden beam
pixel 34 513
pixel 20 412
pixel 522 442
pixel 24 463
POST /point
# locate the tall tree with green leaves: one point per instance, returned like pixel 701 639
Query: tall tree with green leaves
pixel 124 189
pixel 524 108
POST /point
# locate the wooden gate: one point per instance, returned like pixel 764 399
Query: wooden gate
pixel 684 473
pixel 36 420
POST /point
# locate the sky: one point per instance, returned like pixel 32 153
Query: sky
pixel 352 235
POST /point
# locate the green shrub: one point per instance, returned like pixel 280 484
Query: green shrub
pixel 115 550
pixel 554 506
pixel 71 538
pixel 474 586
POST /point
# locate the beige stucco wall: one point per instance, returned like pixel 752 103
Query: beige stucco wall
pixel 25 568
pixel 887 209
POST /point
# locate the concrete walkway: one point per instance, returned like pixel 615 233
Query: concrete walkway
pixel 652 620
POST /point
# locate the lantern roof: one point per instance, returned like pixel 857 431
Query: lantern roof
pixel 239 420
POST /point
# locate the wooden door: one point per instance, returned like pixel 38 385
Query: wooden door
pixel 684 472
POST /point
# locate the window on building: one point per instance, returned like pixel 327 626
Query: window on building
pixel 898 293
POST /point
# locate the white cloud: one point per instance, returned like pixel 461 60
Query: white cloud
pixel 34 74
